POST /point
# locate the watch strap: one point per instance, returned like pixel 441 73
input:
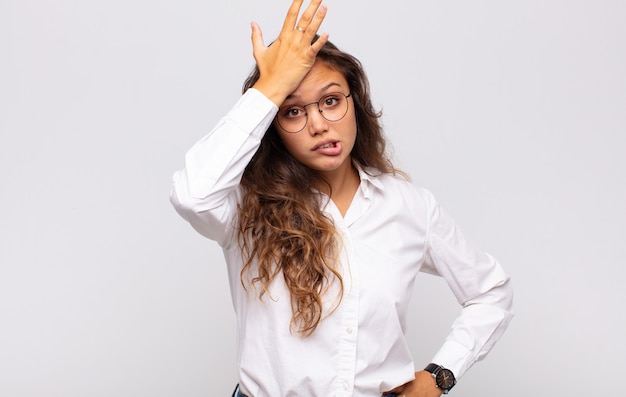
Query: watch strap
pixel 433 368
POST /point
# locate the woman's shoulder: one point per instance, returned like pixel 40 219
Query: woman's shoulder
pixel 398 184
pixel 394 180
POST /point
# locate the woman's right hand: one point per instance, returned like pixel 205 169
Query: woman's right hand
pixel 285 63
pixel 422 386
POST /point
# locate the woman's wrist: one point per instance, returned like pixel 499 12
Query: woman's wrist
pixel 272 91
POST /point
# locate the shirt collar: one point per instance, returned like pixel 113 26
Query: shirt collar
pixel 370 176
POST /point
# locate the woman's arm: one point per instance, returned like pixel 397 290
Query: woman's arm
pixel 479 284
pixel 205 192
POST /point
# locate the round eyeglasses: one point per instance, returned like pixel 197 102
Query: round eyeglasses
pixel 293 118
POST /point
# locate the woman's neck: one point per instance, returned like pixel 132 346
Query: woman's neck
pixel 344 183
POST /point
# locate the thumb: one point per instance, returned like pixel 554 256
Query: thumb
pixel 257 38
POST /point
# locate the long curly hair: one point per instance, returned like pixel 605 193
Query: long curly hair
pixel 281 225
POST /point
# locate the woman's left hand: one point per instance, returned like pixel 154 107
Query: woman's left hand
pixel 422 386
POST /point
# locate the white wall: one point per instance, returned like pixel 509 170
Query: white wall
pixel 512 113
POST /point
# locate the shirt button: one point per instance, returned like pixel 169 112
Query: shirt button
pixel 349 330
pixel 345 385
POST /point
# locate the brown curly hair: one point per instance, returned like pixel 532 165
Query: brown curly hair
pixel 281 225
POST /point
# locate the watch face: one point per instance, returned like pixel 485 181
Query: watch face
pixel 445 379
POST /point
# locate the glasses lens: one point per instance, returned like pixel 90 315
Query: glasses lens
pixel 292 118
pixel 333 106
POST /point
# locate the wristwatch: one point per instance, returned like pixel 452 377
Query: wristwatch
pixel 444 378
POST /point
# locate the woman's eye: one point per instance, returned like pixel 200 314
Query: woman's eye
pixel 330 101
pixel 293 112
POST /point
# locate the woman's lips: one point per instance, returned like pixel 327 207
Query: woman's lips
pixel 331 148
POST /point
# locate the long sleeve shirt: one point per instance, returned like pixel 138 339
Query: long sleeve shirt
pixel 391 232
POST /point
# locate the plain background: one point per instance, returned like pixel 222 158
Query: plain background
pixel 512 112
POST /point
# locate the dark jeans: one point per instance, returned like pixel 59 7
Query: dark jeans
pixel 237 392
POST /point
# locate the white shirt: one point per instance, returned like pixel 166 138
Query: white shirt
pixel 391 231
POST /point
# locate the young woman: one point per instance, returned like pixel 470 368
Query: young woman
pixel 323 238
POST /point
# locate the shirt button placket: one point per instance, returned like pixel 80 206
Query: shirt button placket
pixel 347 346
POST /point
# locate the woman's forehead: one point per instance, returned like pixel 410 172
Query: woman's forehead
pixel 320 79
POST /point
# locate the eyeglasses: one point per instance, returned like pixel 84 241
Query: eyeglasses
pixel 293 118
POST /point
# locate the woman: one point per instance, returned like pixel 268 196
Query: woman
pixel 323 238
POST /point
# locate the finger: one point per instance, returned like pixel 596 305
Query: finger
pixel 309 14
pixel 257 38
pixel 317 20
pixel 319 43
pixel 292 16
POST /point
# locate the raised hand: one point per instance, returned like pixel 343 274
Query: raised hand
pixel 289 58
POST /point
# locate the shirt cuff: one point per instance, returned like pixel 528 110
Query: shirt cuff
pixel 250 110
pixel 454 357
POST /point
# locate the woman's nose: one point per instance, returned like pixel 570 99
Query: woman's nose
pixel 317 123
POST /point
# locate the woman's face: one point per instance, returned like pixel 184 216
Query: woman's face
pixel 321 145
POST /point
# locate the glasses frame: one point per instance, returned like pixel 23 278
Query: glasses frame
pixel 306 113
